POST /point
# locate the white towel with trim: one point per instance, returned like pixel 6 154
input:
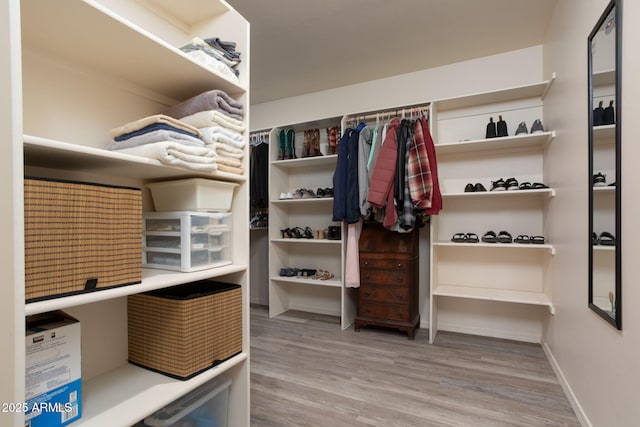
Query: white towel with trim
pixel 176 154
pixel 204 119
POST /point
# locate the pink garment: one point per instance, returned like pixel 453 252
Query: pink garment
pixel 352 261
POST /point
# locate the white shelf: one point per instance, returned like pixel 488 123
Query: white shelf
pixel 101 42
pixel 309 201
pixel 313 241
pixel 121 397
pixel 604 135
pixel 489 294
pixel 527 141
pixel 499 246
pixel 305 162
pixel 604 190
pixel 603 78
pixel 602 248
pixel 542 193
pixel 510 94
pixel 333 283
pixel 151 279
pixel 50 153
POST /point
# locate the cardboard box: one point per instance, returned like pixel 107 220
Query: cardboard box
pixel 53 387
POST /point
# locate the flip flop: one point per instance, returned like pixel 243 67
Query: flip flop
pixel 538 185
pixel 471 238
pixel 522 238
pixel 459 238
pixel 525 186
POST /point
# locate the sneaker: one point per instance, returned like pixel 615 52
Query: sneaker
pixel 536 127
pixel 498 185
pixel 511 184
pixel 501 127
pixel 469 188
pixel 491 129
pixel 479 187
pixel 522 128
pixel 599 180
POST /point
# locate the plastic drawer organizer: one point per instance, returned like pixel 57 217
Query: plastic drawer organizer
pixel 186 241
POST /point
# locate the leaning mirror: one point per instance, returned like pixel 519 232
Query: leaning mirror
pixel 604 65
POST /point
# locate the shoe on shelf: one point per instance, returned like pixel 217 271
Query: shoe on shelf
pixel 290 144
pixel 523 239
pixel 607 239
pixel 504 237
pixel 522 129
pixel 537 127
pixel 599 180
pixel 498 185
pixel 598 112
pixel 281 144
pixel 525 186
pixel 511 184
pixel 306 144
pixel 491 129
pixel 478 188
pixel 608 115
pixel 501 127
pixel 490 237
pixel 613 184
pixel 469 188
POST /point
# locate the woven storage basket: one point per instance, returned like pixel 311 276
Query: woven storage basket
pixel 80 237
pixel 184 330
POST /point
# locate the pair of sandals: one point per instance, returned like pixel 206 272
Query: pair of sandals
pixel 295 272
pixel 297 233
pixel 505 237
pixel 605 239
pixel 324 192
pixel 511 184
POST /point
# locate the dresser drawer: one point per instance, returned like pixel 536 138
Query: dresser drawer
pixel 384 277
pixel 401 264
pixel 388 294
pixel 377 310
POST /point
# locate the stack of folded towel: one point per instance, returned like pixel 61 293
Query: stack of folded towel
pixel 204 133
pixel 218 55
pixel 218 118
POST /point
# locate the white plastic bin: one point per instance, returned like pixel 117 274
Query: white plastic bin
pixel 206 406
pixel 186 241
pixel 194 194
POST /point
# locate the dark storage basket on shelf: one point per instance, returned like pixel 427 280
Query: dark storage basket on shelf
pixel 184 330
pixel 80 237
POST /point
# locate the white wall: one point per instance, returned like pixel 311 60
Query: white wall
pixel 599 363
pixel 463 78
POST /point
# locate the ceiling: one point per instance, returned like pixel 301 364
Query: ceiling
pixel 303 46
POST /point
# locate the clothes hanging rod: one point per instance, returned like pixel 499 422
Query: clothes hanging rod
pixel 418 108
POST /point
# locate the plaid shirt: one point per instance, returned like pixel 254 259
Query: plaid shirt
pixel 419 179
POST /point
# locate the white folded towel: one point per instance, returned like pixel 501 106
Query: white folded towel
pixel 209 118
pixel 227 150
pixel 176 154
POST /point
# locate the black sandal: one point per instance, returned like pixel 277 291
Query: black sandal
pixel 537 240
pixel 490 237
pixel 607 239
pixel 504 237
pixel 471 238
pixel 538 186
pixel 498 185
pixel 525 186
pixel 459 238
pixel 511 184
pixel 522 238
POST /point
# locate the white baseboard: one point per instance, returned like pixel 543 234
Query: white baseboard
pixel 568 391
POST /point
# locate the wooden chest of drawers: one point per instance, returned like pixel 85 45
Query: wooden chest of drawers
pixel 388 293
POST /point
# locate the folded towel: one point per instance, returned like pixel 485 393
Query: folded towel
pixel 226 150
pixel 152 127
pixel 225 131
pixel 231 169
pixel 213 64
pixel 216 100
pixel 145 121
pixel 175 154
pixel 228 161
pixel 212 138
pixel 156 136
pixel 205 119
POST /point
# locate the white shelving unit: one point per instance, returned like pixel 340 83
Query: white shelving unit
pixel 491 272
pixel 328 297
pixel 72 71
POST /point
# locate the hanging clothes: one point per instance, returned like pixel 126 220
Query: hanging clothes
pixel 419 171
pixel 364 149
pixel 436 195
pixel 259 175
pixel 381 187
pixel 352 259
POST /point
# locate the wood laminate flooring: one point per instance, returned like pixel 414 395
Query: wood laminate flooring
pixel 305 371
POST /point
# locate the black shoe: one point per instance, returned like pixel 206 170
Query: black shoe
pixel 537 127
pixel 479 187
pixel 511 184
pixel 469 188
pixel 334 233
pixel 608 115
pixel 501 127
pixel 599 180
pixel 498 185
pixel 522 128
pixel 491 129
pixel 597 115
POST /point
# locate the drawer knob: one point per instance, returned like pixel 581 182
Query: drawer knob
pixel 399 265
pixel 399 297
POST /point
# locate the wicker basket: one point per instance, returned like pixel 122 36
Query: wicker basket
pixel 80 237
pixel 184 330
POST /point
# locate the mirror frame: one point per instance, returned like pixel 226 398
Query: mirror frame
pixel 617 320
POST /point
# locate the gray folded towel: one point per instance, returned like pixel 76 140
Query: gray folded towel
pixel 216 100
